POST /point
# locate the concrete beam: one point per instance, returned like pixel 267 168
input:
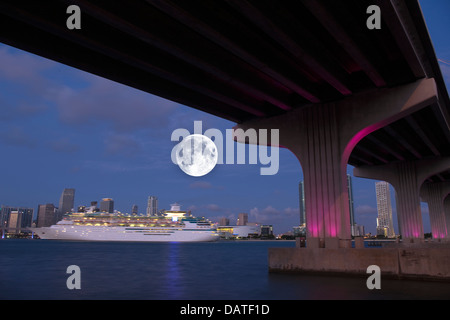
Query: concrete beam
pixel 327 72
pixel 322 136
pixel 211 34
pixel 329 22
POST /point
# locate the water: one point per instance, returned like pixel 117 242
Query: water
pixel 225 270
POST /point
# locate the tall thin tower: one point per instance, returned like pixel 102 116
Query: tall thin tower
pixel 351 204
pixel 385 225
pixel 152 206
pixel 301 192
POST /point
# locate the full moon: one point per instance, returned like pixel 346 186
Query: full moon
pixel 196 155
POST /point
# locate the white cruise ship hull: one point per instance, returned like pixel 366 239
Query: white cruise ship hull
pixel 141 234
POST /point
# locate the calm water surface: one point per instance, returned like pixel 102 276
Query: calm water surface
pixel 36 269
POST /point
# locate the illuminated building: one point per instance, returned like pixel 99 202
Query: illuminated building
pixel 385 225
pixel 242 219
pixel 253 230
pixel 152 206
pixel 301 191
pixel 13 219
pixel 66 203
pixel 266 231
pixel 46 215
pixel 107 205
pixel 224 221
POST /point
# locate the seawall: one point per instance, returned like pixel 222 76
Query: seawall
pixel 401 262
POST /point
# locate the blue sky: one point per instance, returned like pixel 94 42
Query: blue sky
pixel 64 128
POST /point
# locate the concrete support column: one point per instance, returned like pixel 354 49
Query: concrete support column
pixel 322 137
pixel 435 194
pixel 437 215
pixel 407 178
pixel 409 214
pixel 447 214
pixel 325 176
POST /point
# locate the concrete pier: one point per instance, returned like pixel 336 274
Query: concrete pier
pixel 419 261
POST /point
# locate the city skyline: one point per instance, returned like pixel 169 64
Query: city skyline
pixel 48 214
pixel 63 127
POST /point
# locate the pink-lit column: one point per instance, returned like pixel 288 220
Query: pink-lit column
pixel 447 214
pixel 407 201
pixel 434 194
pixel 313 134
pixel 322 137
pixel 325 177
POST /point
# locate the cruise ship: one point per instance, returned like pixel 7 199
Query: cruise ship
pixel 174 226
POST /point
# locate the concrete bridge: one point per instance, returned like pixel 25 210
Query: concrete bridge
pixel 339 92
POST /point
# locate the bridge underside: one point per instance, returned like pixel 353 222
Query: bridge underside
pixel 254 62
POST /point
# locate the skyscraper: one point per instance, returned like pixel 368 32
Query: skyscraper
pixel 385 225
pixel 134 209
pixel 242 219
pixel 301 191
pixel 107 205
pixel 15 218
pixel 152 206
pixel 351 204
pixel 46 215
pixel 65 203
pixel 224 221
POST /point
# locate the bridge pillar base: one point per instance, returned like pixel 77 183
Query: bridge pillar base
pixel 435 194
pixel 401 261
pixel 447 214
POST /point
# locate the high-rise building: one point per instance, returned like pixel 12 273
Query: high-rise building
pixel 107 205
pixel 242 219
pixel 134 209
pixel 301 191
pixel 13 219
pixel 266 231
pixel 385 225
pixel 224 221
pixel 46 215
pixel 152 206
pixel 66 203
pixel 351 206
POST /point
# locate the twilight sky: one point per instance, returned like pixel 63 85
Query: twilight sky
pixel 64 128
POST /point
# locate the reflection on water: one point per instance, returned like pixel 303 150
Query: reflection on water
pixel 172 276
pixel 36 269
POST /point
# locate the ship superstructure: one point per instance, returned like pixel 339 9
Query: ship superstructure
pixel 173 226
